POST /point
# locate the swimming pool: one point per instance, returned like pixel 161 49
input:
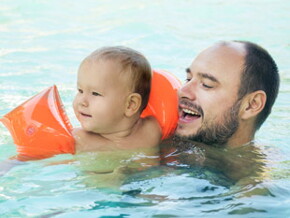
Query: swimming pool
pixel 43 42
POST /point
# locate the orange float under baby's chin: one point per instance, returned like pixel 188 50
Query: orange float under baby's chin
pixel 40 127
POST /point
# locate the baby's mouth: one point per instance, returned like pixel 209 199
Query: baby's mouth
pixel 85 115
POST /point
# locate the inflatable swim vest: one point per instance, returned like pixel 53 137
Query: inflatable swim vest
pixel 40 127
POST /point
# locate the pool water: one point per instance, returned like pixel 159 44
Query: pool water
pixel 43 42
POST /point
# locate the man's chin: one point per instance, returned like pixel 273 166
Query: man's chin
pixel 190 134
pixel 183 132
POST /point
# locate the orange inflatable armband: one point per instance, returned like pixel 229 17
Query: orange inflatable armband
pixel 163 101
pixel 40 127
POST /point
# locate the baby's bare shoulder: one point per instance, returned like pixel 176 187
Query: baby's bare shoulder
pixel 86 141
pixel 151 122
pixel 151 130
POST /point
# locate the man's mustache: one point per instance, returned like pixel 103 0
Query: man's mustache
pixel 191 105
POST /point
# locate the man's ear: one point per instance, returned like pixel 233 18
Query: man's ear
pixel 133 104
pixel 253 104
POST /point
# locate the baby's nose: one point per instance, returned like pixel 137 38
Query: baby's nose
pixel 84 101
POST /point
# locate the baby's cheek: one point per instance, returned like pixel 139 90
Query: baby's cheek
pixel 75 102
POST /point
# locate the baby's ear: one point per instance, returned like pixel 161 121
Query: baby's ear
pixel 133 104
pixel 253 104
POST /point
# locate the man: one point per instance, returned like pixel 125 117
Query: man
pixel 229 92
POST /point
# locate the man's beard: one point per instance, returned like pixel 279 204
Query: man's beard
pixel 219 133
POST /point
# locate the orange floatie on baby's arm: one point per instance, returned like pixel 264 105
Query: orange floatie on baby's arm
pixel 40 127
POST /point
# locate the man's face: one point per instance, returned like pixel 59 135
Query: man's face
pixel 208 101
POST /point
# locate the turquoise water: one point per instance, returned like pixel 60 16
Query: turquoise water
pixel 43 42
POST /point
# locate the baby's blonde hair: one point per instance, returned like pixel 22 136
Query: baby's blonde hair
pixel 132 62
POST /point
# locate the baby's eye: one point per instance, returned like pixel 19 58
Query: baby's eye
pixel 187 80
pixel 95 93
pixel 206 86
pixel 80 91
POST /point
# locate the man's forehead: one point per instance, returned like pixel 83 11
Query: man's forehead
pixel 221 57
pixel 222 61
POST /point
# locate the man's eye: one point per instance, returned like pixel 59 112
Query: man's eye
pixel 95 93
pixel 187 80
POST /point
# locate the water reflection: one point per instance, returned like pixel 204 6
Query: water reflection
pixel 239 166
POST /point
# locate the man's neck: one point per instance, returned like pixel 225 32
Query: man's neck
pixel 241 137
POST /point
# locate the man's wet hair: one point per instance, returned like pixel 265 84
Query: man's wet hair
pixel 260 73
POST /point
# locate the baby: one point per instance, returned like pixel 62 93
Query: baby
pixel 113 89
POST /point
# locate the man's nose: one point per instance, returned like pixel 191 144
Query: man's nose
pixel 188 90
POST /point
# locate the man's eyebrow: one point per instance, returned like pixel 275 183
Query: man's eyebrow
pixel 204 75
pixel 208 76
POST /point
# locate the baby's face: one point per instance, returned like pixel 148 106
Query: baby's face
pixel 101 99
